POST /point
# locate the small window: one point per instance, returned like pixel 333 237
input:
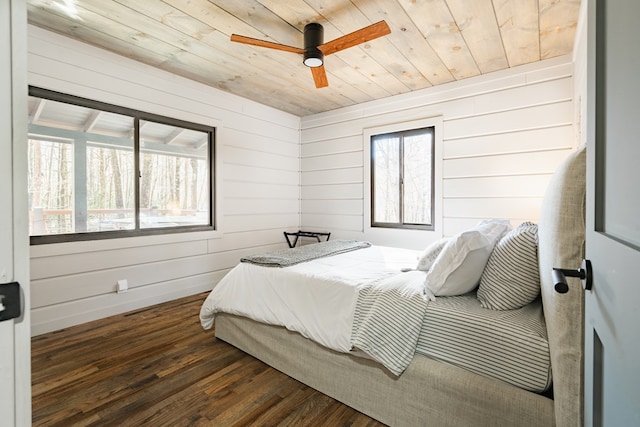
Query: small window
pixel 99 171
pixel 402 179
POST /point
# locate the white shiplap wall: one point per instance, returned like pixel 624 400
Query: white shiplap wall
pixel 503 135
pixel 580 86
pixel 258 189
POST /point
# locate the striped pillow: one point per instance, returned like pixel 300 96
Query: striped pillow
pixel 511 278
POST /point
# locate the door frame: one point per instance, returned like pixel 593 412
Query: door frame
pixel 15 334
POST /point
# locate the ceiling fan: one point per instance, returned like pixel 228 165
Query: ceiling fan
pixel 315 50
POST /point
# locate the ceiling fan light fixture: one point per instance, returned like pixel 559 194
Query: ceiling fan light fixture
pixel 313 58
pixel 313 37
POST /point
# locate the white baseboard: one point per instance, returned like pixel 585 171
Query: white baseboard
pixel 71 313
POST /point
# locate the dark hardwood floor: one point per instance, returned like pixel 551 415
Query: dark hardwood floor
pixel 157 367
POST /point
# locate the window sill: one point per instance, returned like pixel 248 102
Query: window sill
pixel 68 248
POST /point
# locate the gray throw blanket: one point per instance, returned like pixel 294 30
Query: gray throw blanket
pixel 288 257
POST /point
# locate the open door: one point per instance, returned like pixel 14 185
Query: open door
pixel 15 348
pixel 612 307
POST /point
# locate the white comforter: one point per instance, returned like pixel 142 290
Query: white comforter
pixel 320 306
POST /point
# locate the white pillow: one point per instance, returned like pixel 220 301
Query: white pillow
pixel 429 255
pixel 459 266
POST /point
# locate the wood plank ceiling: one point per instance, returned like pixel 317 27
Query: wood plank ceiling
pixel 431 42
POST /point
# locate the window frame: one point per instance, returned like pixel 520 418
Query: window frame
pixel 401 135
pixel 387 232
pixel 137 116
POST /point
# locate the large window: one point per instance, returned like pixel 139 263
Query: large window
pixel 100 171
pixel 402 179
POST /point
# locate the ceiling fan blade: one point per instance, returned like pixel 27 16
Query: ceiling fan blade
pixel 362 35
pixel 319 76
pixel 263 43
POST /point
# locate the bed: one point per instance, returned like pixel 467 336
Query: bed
pixel 430 378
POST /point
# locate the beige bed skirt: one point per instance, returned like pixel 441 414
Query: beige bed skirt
pixel 428 393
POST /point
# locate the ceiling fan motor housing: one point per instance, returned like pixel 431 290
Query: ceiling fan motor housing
pixel 313 37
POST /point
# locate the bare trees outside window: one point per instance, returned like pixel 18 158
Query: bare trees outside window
pixel 402 176
pixel 100 171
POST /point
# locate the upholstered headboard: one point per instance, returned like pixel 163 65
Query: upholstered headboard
pixel 561 232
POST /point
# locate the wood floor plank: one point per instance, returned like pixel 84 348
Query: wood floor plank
pixel 157 367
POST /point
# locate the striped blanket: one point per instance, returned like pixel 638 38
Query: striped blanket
pixel 293 256
pixel 388 318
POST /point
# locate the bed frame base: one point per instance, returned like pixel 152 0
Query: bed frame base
pixel 428 393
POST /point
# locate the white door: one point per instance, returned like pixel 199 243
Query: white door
pixel 612 327
pixel 15 349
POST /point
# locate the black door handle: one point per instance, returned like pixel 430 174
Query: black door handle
pixel 585 274
pixel 10 303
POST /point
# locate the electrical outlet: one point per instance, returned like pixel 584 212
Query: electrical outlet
pixel 123 286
